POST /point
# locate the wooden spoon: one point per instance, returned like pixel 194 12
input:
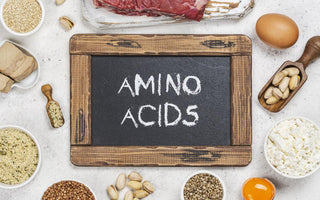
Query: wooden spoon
pixel 311 52
pixel 55 115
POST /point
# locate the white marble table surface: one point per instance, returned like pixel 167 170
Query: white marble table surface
pixel 50 45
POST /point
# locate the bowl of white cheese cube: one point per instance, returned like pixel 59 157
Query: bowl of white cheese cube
pixel 292 148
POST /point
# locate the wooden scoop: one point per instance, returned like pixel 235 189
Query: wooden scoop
pixel 53 108
pixel 311 52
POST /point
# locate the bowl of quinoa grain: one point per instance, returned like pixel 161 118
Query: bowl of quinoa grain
pixel 203 185
pixel 68 189
pixel 20 157
pixel 22 17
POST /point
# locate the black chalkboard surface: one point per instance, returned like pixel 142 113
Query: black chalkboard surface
pixel 187 101
pixel 160 100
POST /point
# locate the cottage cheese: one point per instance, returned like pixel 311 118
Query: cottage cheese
pixel 293 147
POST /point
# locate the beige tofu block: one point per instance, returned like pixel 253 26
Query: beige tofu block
pixel 5 83
pixel 14 63
pixel 25 69
pixel 10 58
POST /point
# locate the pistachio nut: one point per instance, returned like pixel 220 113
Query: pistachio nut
pixel 268 92
pixel 66 23
pixel 147 186
pixel 112 192
pixel 135 176
pixel 140 194
pixel 278 78
pixel 277 93
pixel 286 94
pixel 272 100
pixel 135 185
pixel 121 182
pixel 291 71
pixel 294 82
pixel 284 84
pixel 60 2
pixel 128 195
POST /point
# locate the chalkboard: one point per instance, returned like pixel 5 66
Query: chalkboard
pixel 208 123
pixel 160 100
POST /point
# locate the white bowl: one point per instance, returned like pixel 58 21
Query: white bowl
pixel 22 34
pixel 74 181
pixel 274 168
pixel 204 172
pixel 6 186
pixel 33 78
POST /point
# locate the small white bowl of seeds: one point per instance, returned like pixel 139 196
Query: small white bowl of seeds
pixel 20 157
pixel 203 185
pixel 22 17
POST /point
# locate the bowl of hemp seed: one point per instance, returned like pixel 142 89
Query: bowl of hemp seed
pixel 20 157
pixel 22 17
pixel 203 185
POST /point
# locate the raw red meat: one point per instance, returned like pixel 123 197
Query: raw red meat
pixel 190 9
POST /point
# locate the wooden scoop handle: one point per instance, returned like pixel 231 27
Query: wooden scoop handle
pixel 47 91
pixel 311 52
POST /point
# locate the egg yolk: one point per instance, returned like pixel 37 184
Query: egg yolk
pixel 258 189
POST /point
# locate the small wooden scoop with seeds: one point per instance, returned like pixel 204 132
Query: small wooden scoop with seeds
pixel 53 108
pixel 288 80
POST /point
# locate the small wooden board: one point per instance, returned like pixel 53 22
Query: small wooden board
pixel 237 47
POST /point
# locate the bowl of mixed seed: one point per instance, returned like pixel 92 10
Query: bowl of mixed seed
pixel 20 157
pixel 203 185
pixel 22 17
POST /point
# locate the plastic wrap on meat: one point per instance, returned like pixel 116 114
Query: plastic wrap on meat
pixel 190 9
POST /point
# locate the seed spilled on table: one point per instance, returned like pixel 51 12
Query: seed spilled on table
pixel 203 186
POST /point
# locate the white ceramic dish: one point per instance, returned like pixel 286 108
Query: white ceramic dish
pixel 274 168
pixel 22 34
pixel 6 186
pixel 204 172
pixel 33 78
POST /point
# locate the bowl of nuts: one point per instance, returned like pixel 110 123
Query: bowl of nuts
pixel 203 185
pixel 22 17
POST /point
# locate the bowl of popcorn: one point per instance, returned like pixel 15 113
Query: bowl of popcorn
pixel 292 148
pixel 22 17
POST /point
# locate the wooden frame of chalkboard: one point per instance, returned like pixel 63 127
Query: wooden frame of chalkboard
pixel 238 47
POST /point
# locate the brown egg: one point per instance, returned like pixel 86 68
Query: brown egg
pixel 278 31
